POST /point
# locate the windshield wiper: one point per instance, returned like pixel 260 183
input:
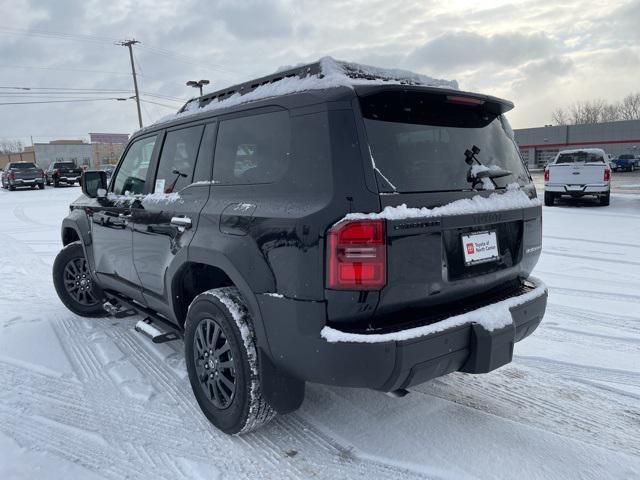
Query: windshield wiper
pixel 476 177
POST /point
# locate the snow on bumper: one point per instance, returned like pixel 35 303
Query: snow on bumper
pixel 490 317
pixel 297 339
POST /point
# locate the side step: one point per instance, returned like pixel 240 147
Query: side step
pixel 117 311
pixel 157 336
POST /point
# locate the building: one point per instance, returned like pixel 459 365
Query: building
pixel 107 147
pixel 63 151
pixel 540 145
pixel 27 155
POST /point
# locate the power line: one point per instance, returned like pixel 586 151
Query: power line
pixel 59 101
pixel 173 107
pixel 83 70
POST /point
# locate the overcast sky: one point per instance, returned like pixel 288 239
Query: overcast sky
pixel 538 54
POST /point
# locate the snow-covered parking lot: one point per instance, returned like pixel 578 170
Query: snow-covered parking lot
pixel 90 399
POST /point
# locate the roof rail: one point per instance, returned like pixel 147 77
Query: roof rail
pixel 246 87
pixel 326 66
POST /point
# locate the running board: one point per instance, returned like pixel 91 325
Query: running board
pixel 157 336
pixel 117 311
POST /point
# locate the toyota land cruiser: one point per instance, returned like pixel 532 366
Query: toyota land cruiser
pixel 333 223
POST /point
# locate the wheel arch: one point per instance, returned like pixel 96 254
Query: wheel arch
pixel 217 271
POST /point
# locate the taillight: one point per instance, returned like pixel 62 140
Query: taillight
pixel 12 175
pixel 607 174
pixel 357 255
pixel 546 174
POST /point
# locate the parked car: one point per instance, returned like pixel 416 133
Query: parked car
pixel 22 174
pixel 59 173
pixel 578 173
pixel 626 162
pixel 236 227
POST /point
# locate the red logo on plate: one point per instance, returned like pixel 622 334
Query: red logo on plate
pixel 470 249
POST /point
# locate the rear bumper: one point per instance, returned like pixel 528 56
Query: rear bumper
pixel 19 182
pixel 391 361
pixel 68 179
pixel 578 190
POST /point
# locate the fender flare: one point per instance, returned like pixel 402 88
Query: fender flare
pixel 220 261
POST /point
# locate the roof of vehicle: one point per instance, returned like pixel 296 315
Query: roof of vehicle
pixel 325 80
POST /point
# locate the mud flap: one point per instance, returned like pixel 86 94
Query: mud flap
pixel 282 392
pixel 489 350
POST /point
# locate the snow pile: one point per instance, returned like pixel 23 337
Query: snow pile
pixel 149 198
pixel 334 74
pixel 513 198
pixel 491 317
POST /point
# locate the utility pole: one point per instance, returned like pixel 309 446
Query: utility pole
pixel 129 44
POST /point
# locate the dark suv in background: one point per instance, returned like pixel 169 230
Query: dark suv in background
pixel 371 235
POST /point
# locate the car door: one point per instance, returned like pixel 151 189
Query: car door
pixel 110 225
pixel 164 224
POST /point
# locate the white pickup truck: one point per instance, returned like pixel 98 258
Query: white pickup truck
pixel 578 173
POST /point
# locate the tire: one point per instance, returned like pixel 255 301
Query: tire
pixel 605 200
pixel 12 187
pixel 56 183
pixel 235 410
pixel 41 186
pixel 549 199
pixel 82 299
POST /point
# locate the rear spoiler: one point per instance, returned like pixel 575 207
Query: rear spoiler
pixel 492 104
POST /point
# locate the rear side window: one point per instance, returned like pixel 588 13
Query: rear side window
pixel 65 165
pixel 253 150
pixel 178 159
pixel 580 157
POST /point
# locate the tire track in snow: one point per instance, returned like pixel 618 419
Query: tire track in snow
pixel 547 398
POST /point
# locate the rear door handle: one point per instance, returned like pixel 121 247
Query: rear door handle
pixel 181 222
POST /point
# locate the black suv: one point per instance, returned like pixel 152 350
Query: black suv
pixel 375 234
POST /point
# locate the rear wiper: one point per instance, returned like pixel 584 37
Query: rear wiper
pixel 483 172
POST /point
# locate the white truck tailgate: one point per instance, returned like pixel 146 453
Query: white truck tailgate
pixel 576 173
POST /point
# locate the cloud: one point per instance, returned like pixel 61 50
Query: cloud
pixel 456 50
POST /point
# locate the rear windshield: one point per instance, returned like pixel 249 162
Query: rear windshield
pixel 626 157
pixel 418 143
pixel 580 157
pixel 65 165
pixel 22 165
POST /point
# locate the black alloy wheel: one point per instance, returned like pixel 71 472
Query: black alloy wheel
pixel 77 282
pixel 215 365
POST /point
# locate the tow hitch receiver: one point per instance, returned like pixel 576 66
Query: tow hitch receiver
pixel 489 350
pixel 147 328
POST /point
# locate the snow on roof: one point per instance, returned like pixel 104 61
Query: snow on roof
pixel 594 151
pixel 491 317
pixel 513 198
pixel 334 73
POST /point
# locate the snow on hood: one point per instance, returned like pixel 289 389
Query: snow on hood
pixel 513 198
pixel 335 73
pixel 491 317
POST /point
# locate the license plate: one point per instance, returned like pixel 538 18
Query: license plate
pixel 480 247
pixel 574 187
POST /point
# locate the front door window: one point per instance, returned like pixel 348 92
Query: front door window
pixel 132 174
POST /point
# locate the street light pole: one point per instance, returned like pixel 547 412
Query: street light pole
pixel 129 44
pixel 197 84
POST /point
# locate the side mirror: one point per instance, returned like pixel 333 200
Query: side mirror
pixel 93 181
